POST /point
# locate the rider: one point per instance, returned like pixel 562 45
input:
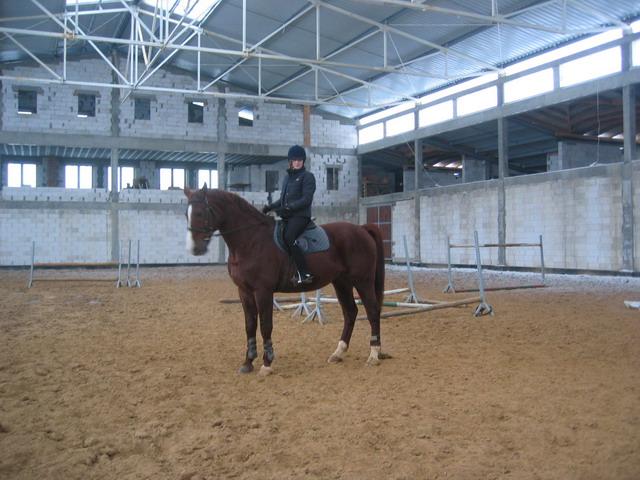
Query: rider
pixel 294 206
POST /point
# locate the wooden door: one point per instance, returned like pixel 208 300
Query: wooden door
pixel 381 216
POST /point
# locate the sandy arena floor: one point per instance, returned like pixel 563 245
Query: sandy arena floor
pixel 105 383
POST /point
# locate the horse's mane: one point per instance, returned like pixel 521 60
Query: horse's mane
pixel 239 202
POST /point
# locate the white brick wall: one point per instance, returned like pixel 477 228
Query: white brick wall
pixel 273 123
pixel 457 214
pixel 169 112
pixel 58 106
pixel 403 218
pixel 580 220
pixel 331 133
pixel 347 193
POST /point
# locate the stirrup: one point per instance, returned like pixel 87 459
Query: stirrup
pixel 302 279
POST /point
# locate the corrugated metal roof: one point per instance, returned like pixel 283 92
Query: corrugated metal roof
pixel 488 43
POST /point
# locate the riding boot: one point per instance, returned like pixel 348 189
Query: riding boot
pixel 303 277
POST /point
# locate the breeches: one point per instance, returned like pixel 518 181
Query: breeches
pixel 294 226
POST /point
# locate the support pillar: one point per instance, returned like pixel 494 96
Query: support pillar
pixel 418 167
pixel 115 161
pixel 222 171
pixel 113 206
pixel 630 153
pixel 503 171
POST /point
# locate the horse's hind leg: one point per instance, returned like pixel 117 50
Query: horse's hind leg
pixel 264 301
pixel 344 292
pixel 250 325
pixel 368 296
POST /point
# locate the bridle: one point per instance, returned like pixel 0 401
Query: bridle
pixel 208 228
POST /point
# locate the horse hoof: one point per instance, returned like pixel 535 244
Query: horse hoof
pixel 373 362
pixel 334 359
pixel 265 371
pixel 246 368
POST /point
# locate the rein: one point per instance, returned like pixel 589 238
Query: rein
pixel 207 229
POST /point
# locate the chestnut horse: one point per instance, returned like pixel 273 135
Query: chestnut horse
pixel 258 268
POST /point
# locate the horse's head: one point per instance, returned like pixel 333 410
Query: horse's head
pixel 201 221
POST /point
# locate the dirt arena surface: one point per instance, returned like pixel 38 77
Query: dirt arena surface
pixel 105 383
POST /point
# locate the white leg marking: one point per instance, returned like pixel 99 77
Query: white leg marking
pixel 374 357
pixel 338 355
pixel 190 244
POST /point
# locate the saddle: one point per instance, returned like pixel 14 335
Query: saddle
pixel 313 239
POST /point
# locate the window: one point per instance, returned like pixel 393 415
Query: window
pixel 528 86
pixel 125 177
pixel 86 105
pixel 476 101
pixel 78 176
pixel 208 176
pixel 142 109
pixel 245 117
pixel 591 66
pixel 21 175
pixel 171 178
pixel 271 180
pixel 400 124
pixel 635 53
pixel 436 113
pixel 332 178
pixel 196 112
pixel 371 134
pixel 27 102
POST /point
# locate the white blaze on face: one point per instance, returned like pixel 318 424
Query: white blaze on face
pixel 190 244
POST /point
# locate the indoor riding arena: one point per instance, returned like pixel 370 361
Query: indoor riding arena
pixel 490 148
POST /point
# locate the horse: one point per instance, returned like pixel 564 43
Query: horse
pixel 355 259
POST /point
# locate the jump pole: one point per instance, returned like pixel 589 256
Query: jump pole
pixel 317 311
pixel 412 297
pixel 427 308
pixel 484 308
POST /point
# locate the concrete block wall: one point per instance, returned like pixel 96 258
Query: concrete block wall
pixel 283 124
pixel 457 212
pixel 273 123
pixel 347 193
pixel 57 107
pixel 636 215
pixel 403 215
pixel 578 213
pixel 332 133
pixel 169 112
pixel 67 226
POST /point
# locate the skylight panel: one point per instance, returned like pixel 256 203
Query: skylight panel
pixel 565 51
pixel 529 85
pixel 371 134
pixel 194 9
pixel 386 113
pixel 591 66
pixel 477 101
pixel 400 124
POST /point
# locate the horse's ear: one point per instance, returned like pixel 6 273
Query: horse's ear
pixel 187 192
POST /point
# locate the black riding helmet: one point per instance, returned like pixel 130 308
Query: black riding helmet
pixel 297 152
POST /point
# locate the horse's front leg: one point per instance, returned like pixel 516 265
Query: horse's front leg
pixel 264 301
pixel 250 325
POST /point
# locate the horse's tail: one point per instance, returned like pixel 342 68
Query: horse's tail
pixel 374 231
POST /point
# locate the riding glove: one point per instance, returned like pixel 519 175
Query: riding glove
pixel 266 209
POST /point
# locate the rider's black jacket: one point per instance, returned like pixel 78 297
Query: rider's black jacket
pixel 298 188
